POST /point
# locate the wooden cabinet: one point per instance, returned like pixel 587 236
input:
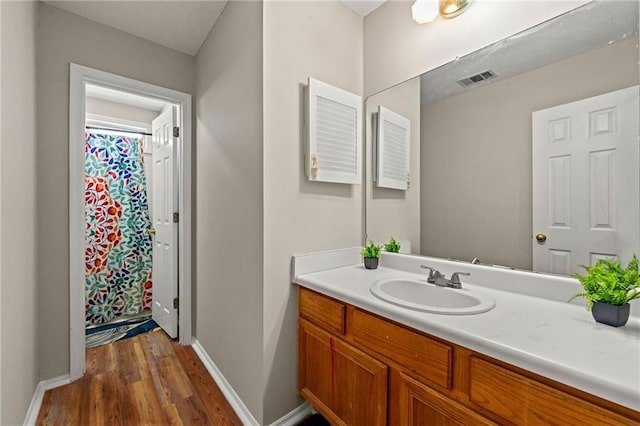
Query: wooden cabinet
pixel 427 358
pixel 520 400
pixel 420 405
pixel 322 310
pixel 357 368
pixel 346 385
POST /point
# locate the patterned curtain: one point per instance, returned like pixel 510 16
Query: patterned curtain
pixel 118 261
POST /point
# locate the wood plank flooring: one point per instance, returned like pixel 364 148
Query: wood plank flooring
pixel 144 380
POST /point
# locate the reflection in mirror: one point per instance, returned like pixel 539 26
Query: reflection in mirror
pixel 471 193
pixel 384 203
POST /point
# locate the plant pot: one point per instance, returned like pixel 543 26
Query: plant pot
pixel 371 262
pixel 614 315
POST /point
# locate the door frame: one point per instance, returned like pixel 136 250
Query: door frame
pixel 79 76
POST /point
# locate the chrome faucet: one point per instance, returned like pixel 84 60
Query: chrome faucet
pixel 455 279
pixel 436 277
pixel 432 273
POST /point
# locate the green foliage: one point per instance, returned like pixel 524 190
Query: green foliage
pixel 608 282
pixel 371 250
pixel 392 246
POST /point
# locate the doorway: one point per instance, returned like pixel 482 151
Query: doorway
pixel 586 179
pixel 157 243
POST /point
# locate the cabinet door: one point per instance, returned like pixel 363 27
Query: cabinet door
pixel 420 405
pixel 344 384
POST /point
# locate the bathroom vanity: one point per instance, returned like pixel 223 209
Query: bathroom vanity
pixel 530 360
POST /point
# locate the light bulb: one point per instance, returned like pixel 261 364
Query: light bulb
pixel 424 11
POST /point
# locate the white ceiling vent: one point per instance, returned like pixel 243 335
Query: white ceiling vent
pixel 478 78
pixel 334 134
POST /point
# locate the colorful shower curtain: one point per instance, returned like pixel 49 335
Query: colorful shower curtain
pixel 118 261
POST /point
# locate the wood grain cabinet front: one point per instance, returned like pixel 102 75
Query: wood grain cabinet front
pixel 347 386
pixel 357 368
pixel 418 404
pixel 322 310
pixel 519 400
pixel 425 357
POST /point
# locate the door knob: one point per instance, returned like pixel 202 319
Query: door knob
pixel 151 231
pixel 541 238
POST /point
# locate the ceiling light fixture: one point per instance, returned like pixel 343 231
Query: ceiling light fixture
pixel 425 11
pixel 452 8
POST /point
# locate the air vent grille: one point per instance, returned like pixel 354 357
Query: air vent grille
pixel 478 78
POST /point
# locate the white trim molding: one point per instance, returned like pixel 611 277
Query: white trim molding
pixel 120 123
pixel 295 416
pixel 79 76
pixel 36 401
pixel 290 419
pixel 225 387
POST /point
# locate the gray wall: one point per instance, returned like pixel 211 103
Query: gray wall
pixel 64 38
pixel 245 306
pixel 320 39
pixel 390 212
pixel 18 255
pixel 228 294
pixel 479 173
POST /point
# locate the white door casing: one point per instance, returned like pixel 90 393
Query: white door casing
pixel 586 181
pixel 165 278
pixel 79 76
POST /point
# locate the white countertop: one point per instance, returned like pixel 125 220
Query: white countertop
pixel 554 339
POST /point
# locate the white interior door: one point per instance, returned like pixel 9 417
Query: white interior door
pixel 164 205
pixel 586 182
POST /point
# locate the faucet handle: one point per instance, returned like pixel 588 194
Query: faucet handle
pixel 455 277
pixel 432 273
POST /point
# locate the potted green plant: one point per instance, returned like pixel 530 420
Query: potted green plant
pixel 371 255
pixel 609 288
pixel 392 246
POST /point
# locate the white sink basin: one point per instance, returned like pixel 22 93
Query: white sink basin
pixel 422 296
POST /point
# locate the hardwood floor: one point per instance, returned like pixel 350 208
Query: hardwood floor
pixel 143 380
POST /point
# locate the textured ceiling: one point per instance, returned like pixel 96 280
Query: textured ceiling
pixel 182 25
pixel 581 30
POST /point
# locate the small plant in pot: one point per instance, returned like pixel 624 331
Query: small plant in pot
pixel 371 255
pixel 609 288
pixel 392 246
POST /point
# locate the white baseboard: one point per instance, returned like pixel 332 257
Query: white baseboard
pixel 234 400
pixel 36 401
pixel 294 417
pixel 247 419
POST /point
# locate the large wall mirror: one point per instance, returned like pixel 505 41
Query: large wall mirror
pixel 533 136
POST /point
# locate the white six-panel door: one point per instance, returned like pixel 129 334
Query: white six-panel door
pixel 586 182
pixel 165 248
